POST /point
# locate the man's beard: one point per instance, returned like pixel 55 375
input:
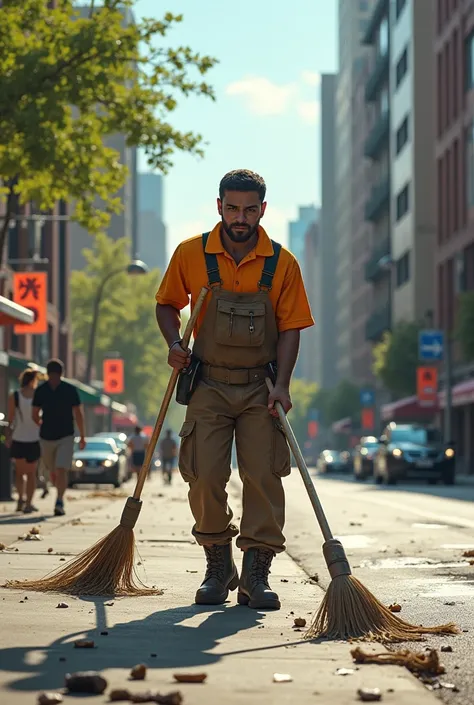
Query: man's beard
pixel 242 235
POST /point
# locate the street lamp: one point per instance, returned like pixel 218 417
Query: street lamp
pixel 135 267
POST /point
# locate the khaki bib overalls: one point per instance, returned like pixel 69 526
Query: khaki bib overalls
pixel 238 337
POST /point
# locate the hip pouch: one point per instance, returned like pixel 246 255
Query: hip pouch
pixel 187 381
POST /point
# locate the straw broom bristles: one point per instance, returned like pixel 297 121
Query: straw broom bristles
pixel 350 611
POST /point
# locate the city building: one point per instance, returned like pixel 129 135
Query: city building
pixel 325 306
pixel 353 19
pixel 151 228
pixel 378 151
pixel 311 268
pixel 124 223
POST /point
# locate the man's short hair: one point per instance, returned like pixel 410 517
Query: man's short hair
pixel 55 367
pixel 243 180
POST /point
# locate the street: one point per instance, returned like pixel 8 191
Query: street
pixel 405 544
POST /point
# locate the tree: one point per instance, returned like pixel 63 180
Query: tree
pixel 126 323
pixel 343 401
pixel 465 324
pixel 396 359
pixel 67 82
pixel 302 394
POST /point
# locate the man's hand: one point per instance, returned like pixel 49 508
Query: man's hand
pixel 281 394
pixel 179 358
pixel 82 443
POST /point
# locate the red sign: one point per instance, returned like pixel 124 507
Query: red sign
pixel 368 419
pixel 427 386
pixel 30 289
pixel 313 429
pixel 114 377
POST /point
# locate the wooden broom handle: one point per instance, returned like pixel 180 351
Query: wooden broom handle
pixel 308 483
pixel 142 475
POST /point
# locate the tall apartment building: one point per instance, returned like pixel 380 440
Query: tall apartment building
pixel 123 224
pixel 151 228
pixel 378 150
pixel 353 18
pixel 311 267
pixel 325 299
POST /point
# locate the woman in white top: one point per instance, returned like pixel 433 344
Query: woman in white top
pixel 23 440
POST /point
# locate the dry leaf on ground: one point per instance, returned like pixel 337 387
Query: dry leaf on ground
pixel 190 677
pixel 426 662
pixel 469 554
pixel 84 644
pixel 300 622
pixel 138 673
pixel 395 607
pixel 49 698
pixel 35 531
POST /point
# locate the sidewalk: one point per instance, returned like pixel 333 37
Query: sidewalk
pixel 239 649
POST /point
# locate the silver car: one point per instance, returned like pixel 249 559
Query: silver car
pixel 101 462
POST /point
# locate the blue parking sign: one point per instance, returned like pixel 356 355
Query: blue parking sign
pixel 367 398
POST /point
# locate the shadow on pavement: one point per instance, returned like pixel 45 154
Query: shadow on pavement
pixel 18 518
pixel 160 640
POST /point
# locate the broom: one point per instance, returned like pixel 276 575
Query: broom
pixel 107 568
pixel 349 610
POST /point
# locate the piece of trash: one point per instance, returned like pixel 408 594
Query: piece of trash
pixel 62 605
pixel 447 648
pixel 449 686
pixel 283 580
pixel 62 559
pixel 314 577
pixel 300 622
pixel 35 531
pixel 49 698
pixel 118 695
pixel 50 550
pixel 109 604
pixel 450 604
pixel 153 655
pixel 344 672
pixel 84 644
pixel 355 523
pixel 86 682
pixel 395 607
pixel 104 634
pixel 191 571
pixel 369 695
pixel 138 673
pixel 190 677
pixel 282 678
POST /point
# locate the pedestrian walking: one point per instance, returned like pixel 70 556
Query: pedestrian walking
pixel 168 452
pixel 56 406
pixel 23 440
pixel 138 443
pixel 248 329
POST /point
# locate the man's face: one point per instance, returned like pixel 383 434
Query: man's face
pixel 241 212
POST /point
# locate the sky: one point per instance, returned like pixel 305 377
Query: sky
pixel 266 116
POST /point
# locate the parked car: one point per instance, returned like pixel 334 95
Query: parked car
pixel 364 455
pixel 334 460
pixel 121 440
pixel 413 451
pixel 100 463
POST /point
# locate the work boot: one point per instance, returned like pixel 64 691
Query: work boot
pixel 221 576
pixel 254 589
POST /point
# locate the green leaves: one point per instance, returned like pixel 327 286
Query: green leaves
pixel 68 81
pixel 126 321
pixel 396 359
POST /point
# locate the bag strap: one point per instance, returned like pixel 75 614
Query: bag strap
pixel 212 266
pixel 269 267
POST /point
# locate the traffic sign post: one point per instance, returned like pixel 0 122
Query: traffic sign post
pixel 367 398
pixel 431 345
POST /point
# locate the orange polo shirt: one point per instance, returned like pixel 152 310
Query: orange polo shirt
pixel 187 274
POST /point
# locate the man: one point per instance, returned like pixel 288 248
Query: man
pixel 252 317
pixel 60 406
pixel 168 452
pixel 138 443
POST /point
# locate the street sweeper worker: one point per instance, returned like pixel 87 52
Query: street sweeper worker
pixel 248 329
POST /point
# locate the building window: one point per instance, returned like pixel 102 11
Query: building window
pixel 399 7
pixel 402 67
pixel 403 202
pixel 383 37
pixel 469 57
pixel 402 135
pixel 470 166
pixel 384 101
pixel 403 269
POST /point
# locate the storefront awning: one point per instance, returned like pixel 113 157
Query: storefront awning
pixel 462 393
pixel 343 425
pixel 11 313
pixel 407 409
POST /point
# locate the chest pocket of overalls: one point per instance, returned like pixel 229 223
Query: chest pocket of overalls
pixel 240 324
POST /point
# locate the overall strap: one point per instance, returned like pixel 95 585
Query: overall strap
pixel 212 266
pixel 269 267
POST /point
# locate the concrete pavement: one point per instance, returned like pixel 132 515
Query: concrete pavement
pixel 239 649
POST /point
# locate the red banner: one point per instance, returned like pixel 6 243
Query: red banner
pixel 30 289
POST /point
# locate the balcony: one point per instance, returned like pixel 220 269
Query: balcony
pixel 378 136
pixel 374 268
pixel 380 11
pixel 378 200
pixel 378 76
pixel 378 323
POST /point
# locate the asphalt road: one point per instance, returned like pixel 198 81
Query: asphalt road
pixel 406 545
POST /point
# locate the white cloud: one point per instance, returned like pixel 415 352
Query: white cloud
pixel 263 97
pixel 311 78
pixel 309 111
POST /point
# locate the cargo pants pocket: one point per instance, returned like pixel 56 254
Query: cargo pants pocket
pixel 281 458
pixel 187 451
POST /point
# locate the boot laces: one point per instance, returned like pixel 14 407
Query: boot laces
pixel 261 567
pixel 215 563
